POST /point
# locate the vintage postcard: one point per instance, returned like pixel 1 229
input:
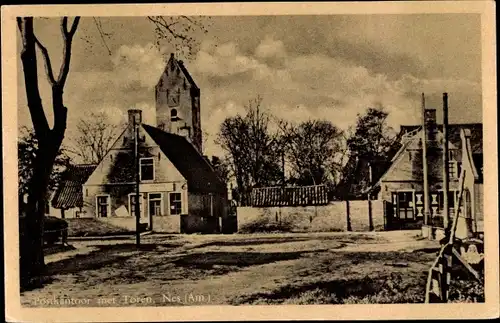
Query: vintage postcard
pixel 250 161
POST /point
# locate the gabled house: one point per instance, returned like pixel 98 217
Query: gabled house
pixel 67 200
pixel 179 191
pixel 401 185
pixel 471 220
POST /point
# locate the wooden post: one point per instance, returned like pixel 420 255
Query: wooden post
pixel 348 213
pixel 370 215
pixel 62 213
pixel 446 175
pixel 137 180
pixel 424 166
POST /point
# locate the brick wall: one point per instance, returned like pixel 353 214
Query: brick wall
pixel 331 217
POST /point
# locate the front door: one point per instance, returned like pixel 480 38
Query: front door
pixel 403 209
pixel 155 204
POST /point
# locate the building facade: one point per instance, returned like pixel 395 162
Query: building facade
pixel 178 102
pixel 179 191
pixel 402 184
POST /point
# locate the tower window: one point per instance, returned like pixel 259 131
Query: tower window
pixel 173 114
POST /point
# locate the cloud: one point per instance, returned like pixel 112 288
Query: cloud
pixel 313 86
pixel 270 48
pixel 294 86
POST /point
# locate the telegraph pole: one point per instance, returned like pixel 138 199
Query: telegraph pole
pixel 446 175
pixel 427 207
pixel 370 216
pixel 137 180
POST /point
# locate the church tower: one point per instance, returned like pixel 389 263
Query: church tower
pixel 178 103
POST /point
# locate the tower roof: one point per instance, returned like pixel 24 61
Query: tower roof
pixel 182 67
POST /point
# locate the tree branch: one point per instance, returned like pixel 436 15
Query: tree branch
pixel 68 38
pixel 28 58
pixel 48 65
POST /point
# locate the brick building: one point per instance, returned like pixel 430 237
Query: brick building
pixel 401 185
pixel 179 191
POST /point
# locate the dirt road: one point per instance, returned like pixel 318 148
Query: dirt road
pixel 176 270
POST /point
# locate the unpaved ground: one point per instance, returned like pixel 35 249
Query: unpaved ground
pixel 311 268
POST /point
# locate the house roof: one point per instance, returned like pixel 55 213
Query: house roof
pixel 289 196
pixel 359 171
pixel 478 163
pixel 186 73
pixel 184 70
pixel 453 136
pixel 189 162
pixel 476 129
pixel 69 192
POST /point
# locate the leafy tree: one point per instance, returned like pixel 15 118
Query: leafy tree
pixel 27 148
pixel 252 148
pixel 221 166
pixel 95 136
pixel 371 143
pixel 314 150
pixel 49 139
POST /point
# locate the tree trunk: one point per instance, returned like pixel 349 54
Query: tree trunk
pixel 32 257
pixel 49 141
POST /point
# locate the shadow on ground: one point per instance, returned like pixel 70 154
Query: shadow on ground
pixel 208 260
pixel 105 256
pixel 57 248
pixel 252 241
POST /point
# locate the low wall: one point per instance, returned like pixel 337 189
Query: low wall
pixel 330 217
pixel 167 224
pixel 164 224
pixel 122 222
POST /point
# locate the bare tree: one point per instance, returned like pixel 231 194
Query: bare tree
pixel 96 134
pixel 50 139
pixel 314 150
pixel 252 148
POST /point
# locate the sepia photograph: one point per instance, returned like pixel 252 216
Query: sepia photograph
pixel 251 159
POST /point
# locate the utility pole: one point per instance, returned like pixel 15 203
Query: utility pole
pixel 137 180
pixel 425 171
pixel 370 216
pixel 446 175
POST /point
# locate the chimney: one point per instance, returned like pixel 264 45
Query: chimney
pixel 430 124
pixel 134 114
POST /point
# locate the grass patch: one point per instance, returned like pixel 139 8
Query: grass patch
pixel 88 227
pixel 389 289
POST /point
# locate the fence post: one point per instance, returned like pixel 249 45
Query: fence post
pixel 370 215
pixel 348 213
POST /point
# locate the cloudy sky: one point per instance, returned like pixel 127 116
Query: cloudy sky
pixel 328 67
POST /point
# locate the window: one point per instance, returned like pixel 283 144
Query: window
pixel 103 207
pixel 405 205
pixel 147 169
pixel 155 204
pixel 132 204
pixel 173 114
pixel 453 169
pixel 175 203
pixel 452 198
